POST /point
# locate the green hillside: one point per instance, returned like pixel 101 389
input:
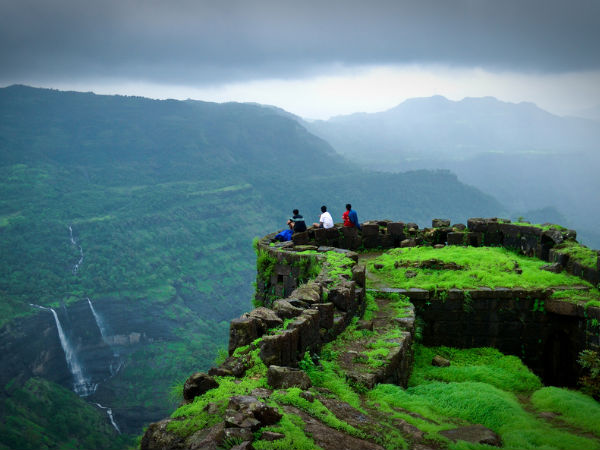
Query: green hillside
pixel 163 199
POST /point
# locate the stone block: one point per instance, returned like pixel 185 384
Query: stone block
pixel 359 275
pixel 197 384
pixel 243 331
pixel 371 241
pixel 321 236
pixel 408 243
pixel 475 239
pixel 342 296
pixel 456 238
pixel 438 223
pixel 325 314
pixel 369 229
pixel 300 238
pixel 285 309
pixel 418 294
pixel 286 377
pixel 350 239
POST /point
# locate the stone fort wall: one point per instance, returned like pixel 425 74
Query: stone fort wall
pixel 547 333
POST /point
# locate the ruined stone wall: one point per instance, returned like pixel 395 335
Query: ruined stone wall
pixel 547 333
pixel 317 309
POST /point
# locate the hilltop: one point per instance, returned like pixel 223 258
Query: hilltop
pixel 147 208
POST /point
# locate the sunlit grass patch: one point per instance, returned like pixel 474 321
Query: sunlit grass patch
pixel 574 407
pixel 474 267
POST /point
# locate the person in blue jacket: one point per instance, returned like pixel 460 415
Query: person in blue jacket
pixel 350 217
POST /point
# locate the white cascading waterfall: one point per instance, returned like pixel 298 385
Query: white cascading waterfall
pixel 109 413
pixel 114 366
pixel 82 386
pixel 74 242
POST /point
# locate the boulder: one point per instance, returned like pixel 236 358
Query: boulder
pixel 244 331
pixel 439 223
pixel 271 436
pixel 246 411
pixel 309 293
pixel 286 377
pixel 365 325
pixel 198 384
pixel 359 274
pixel 554 267
pixel 440 361
pixel 477 434
pixel 267 316
pixel 232 366
pixel 285 310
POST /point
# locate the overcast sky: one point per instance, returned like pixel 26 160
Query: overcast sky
pixel 313 58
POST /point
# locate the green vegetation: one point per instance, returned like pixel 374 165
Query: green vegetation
pixel 578 253
pixel 43 415
pixel 589 360
pixel 573 407
pixel 485 388
pixel 466 268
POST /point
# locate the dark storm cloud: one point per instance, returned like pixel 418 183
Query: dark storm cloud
pixel 203 42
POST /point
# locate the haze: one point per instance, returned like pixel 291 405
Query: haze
pixel 313 59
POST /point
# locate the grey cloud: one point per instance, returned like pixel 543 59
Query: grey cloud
pixel 209 42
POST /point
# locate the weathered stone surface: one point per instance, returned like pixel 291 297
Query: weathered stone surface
pixel 359 274
pixel 325 314
pixel 456 238
pixel 197 384
pixel 438 223
pixel 307 395
pixel 271 436
pixel 286 377
pixel 300 238
pixel 408 243
pixel 250 407
pixel 309 293
pixel 554 268
pixel 246 445
pixel 440 361
pixel 285 310
pixel 157 437
pixel 369 229
pixel 266 315
pixel 243 331
pixel 477 434
pixel 236 434
pixel 365 325
pixel 342 295
pixel 231 367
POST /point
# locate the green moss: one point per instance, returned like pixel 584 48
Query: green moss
pixel 195 417
pixel 478 267
pixel 293 428
pixel 316 409
pixel 338 264
pixel 575 408
pixel 579 253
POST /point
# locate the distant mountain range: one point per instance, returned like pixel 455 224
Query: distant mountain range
pixel 519 153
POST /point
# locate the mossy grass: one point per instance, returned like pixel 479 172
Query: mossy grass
pixel 486 365
pixel 316 409
pixel 477 267
pixel 573 407
pixel 338 264
pixel 436 401
pixel 194 417
pixel 292 427
pixel 589 297
pixel 579 253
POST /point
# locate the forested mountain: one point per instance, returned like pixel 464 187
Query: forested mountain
pixel 133 220
pixel 524 156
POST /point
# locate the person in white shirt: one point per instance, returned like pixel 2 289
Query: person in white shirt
pixel 325 221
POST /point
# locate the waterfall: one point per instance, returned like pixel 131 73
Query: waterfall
pixel 110 416
pixel 104 333
pixel 99 322
pixel 81 385
pixel 74 242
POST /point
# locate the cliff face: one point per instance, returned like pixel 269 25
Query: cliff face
pixel 325 362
